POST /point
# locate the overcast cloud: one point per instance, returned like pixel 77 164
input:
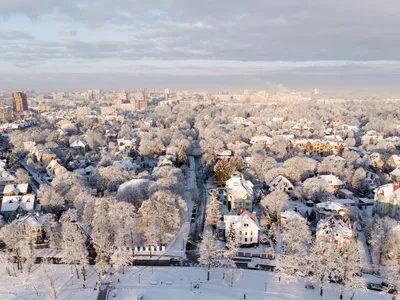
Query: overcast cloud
pixel 209 42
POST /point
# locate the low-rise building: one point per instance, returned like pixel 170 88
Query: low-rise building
pixel 281 183
pixel 239 193
pixel 334 229
pixel 243 228
pixel 387 200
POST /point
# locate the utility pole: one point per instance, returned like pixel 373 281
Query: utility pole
pixel 139 277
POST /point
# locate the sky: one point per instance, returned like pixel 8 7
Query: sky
pixel 188 44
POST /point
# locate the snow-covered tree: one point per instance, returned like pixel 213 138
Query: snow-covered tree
pixel 121 258
pixel 324 263
pixel 351 268
pixel 378 231
pixel 296 239
pixel 74 241
pixel 274 202
pixel 50 199
pixel 52 230
pixel 209 253
pixel 22 176
pixel 213 214
pixel 182 156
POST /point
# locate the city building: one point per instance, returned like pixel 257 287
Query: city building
pixel 82 111
pixel 45 107
pixel 20 101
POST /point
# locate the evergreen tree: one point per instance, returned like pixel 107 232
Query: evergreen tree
pixel 182 156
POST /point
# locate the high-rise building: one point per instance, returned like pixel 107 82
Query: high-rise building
pixel 82 111
pixel 20 101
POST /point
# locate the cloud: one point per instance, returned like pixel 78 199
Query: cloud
pixel 8 35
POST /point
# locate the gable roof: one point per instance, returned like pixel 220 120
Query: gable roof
pixel 17 189
pixel 291 215
pixel 237 221
pixel 332 226
pixel 239 186
pixel 12 203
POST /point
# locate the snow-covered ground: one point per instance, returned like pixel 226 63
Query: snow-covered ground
pixel 163 283
pixel 176 283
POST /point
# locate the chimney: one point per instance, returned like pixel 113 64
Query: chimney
pixel 254 216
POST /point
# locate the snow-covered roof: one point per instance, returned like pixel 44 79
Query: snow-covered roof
pixel 331 180
pixel 239 187
pixel 396 159
pixel 261 139
pixel 388 190
pixel 238 220
pixel 6 176
pixel 16 189
pixel 279 181
pixel 332 226
pixel 395 172
pixel 78 144
pixel 12 203
pixel 223 152
pixel 52 164
pixel 291 215
pixel 330 206
pixel 124 164
pixel 335 158
pixel 32 220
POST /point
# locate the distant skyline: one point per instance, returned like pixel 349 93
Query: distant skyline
pixel 292 45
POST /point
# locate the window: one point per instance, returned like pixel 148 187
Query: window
pixel 245 233
pixel 251 239
pixel 240 232
pixel 246 225
pixel 245 239
pixel 251 232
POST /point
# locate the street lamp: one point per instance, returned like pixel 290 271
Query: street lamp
pixel 139 277
pixel 265 283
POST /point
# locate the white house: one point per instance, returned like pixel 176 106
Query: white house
pixel 18 202
pixel 239 192
pixel 261 139
pixel 387 200
pixel 78 144
pixel 53 168
pixel 244 227
pixel 221 154
pixel 333 181
pixel 334 229
pixel 281 183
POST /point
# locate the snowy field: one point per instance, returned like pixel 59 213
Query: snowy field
pixel 163 283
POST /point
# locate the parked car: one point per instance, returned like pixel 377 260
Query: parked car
pixel 375 287
pixel 174 259
pixel 253 266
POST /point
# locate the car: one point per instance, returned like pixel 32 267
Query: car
pixel 375 287
pixel 253 266
pixel 174 259
pixel 309 286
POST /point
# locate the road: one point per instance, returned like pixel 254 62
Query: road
pixel 196 227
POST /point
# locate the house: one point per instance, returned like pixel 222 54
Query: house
pixel 387 200
pixel 334 229
pixel 244 227
pixel 290 215
pixel 164 161
pixel 17 189
pixel 79 145
pixel 6 177
pixel 345 194
pixel 281 183
pixel 261 140
pixel 237 145
pixel 11 206
pixel 33 224
pixel 333 181
pixel 395 175
pixel 53 168
pixel 330 208
pixel 44 156
pixel 239 193
pixel 126 144
pixel 372 179
pixel 223 154
pixel 394 161
pixel 371 137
